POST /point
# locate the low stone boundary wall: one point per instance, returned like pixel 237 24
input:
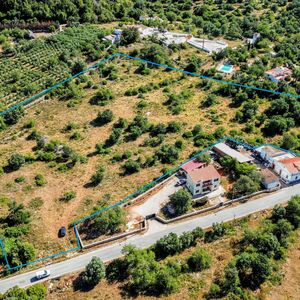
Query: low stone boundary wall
pixel 143 227
pixel 222 204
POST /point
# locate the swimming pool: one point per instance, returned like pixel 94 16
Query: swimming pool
pixel 226 68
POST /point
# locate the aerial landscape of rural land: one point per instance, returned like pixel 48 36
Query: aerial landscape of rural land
pixel 150 149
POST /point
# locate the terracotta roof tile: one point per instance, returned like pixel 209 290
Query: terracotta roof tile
pixel 292 164
pixel 203 174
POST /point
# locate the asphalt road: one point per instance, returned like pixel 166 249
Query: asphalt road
pixel 155 231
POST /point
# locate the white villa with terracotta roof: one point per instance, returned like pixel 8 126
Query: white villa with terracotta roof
pixel 203 180
pixel 288 169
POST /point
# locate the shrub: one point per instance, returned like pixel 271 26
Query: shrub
pixel 67 196
pixel 130 167
pixel 103 97
pixel 20 179
pixel 14 116
pixel 199 260
pixel 36 203
pixel 40 180
pixel 16 161
pixel 30 124
pixel 104 117
pixel 114 137
pixel 167 154
pixel 98 176
pixel 75 136
pixel 173 127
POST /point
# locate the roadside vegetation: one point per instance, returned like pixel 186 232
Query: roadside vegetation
pixel 238 260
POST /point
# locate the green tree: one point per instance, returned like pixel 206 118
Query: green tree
pixel 130 167
pixel 290 141
pixel 244 186
pixel 167 154
pixel 293 211
pixel 78 67
pixel 16 161
pixel 94 272
pixel 193 64
pixel 253 269
pixel 98 176
pixel 104 117
pixel 21 253
pixel 168 245
pixel 37 292
pixel 181 201
pixel 199 260
pixel 205 158
pixel 103 97
pixel 17 215
pixel 129 36
pixel 14 116
pixel 108 222
pixel 282 231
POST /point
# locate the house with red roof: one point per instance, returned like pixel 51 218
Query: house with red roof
pixel 279 74
pixel 288 169
pixel 192 165
pixel 203 180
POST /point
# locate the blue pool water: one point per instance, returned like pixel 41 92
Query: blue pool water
pixel 226 68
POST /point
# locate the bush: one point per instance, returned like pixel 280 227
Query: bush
pixel 103 97
pixel 130 167
pixel 108 222
pixel 14 116
pixel 218 230
pixel 40 180
pixel 20 179
pixel 174 127
pixel 199 260
pixel 98 176
pixel 293 211
pixel 67 196
pixel 167 154
pixel 16 161
pixel 17 214
pixel 30 124
pixel 104 117
pixel 36 203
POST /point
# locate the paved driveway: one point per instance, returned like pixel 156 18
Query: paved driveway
pixel 153 203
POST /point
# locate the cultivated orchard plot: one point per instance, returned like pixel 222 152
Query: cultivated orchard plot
pixel 36 65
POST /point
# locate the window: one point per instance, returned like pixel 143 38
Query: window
pixel 198 184
pixel 217 179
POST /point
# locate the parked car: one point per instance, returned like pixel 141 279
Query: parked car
pixel 180 182
pixel 42 274
pixel 62 231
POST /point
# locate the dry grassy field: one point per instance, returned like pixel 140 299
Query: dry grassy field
pixel 51 116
